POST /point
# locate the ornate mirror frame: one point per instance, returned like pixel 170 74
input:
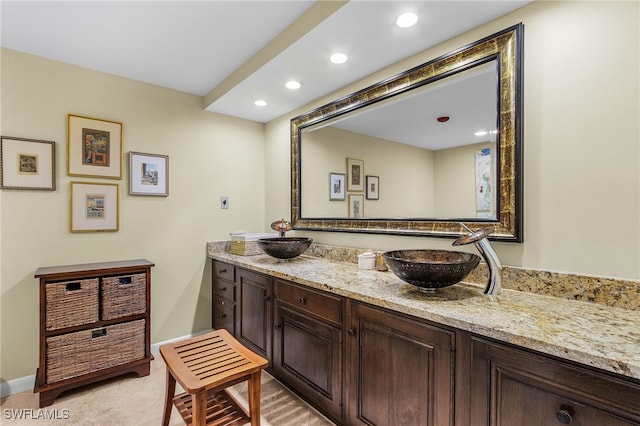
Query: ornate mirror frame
pixel 506 47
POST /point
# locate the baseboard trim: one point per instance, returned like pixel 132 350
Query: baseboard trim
pixel 26 383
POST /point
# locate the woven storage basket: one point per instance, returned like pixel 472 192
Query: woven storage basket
pixel 245 248
pixel 124 295
pixel 74 354
pixel 71 303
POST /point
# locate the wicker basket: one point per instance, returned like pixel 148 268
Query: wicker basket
pixel 74 354
pixel 124 295
pixel 70 303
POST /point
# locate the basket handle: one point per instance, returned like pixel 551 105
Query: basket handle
pixel 124 280
pixel 98 333
pixel 73 286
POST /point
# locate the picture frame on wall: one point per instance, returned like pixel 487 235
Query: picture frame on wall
pixel 27 164
pixel 355 174
pixel 336 186
pixel 373 187
pixel 95 207
pixel 94 147
pixel 356 206
pixel 148 174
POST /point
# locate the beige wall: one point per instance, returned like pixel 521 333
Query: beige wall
pixel 209 155
pixel 407 179
pixel 581 141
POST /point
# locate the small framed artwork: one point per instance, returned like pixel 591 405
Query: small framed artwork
pixel 148 174
pixel 356 206
pixel 355 174
pixel 336 186
pixel 94 147
pixel 27 164
pixel 373 187
pixel 94 207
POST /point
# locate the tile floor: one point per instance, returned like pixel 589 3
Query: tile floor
pixel 131 400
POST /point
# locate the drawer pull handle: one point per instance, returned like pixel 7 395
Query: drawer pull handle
pixel 222 316
pixel 223 289
pixel 276 326
pixel 222 271
pixel 124 280
pixel 266 298
pixel 564 416
pixel 98 333
pixel 351 332
pixel 73 287
pixel 303 300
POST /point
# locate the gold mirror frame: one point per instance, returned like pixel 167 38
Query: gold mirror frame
pixel 505 47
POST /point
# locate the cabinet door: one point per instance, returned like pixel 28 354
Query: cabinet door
pixel 307 355
pixel 511 387
pixel 254 311
pixel 400 371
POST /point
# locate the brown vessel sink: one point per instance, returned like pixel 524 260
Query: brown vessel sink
pixel 284 247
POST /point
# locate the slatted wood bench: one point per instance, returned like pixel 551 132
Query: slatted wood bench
pixel 205 366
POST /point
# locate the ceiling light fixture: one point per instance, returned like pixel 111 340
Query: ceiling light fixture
pixel 407 20
pixel 293 85
pixel 481 133
pixel 338 58
pixel 260 103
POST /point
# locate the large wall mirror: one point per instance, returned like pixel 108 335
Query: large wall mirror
pixel 420 152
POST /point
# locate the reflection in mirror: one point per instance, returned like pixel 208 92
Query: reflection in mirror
pixel 433 150
pixel 441 143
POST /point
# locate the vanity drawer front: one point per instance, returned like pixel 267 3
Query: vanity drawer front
pixel 224 271
pixel 224 289
pixel 323 305
pixel 224 314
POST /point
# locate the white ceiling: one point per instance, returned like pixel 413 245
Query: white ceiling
pixel 234 52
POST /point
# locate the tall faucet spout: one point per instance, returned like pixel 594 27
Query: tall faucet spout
pixel 480 241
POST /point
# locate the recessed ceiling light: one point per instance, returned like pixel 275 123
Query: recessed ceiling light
pixel 481 133
pixel 338 58
pixel 260 103
pixel 407 20
pixel 293 85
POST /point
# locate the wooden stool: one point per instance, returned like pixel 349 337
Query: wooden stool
pixel 204 366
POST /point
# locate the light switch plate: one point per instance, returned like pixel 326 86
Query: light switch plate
pixel 224 202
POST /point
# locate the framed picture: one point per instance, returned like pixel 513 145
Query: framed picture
pixel 373 187
pixel 94 207
pixel 148 174
pixel 355 174
pixel 336 186
pixel 94 147
pixel 356 206
pixel 27 164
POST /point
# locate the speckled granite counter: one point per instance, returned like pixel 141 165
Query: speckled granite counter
pixel 600 336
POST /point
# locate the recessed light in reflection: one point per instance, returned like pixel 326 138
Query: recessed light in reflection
pixel 481 133
pixel 293 85
pixel 338 58
pixel 260 103
pixel 407 20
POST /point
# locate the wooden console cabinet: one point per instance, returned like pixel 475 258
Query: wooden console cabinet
pixel 94 324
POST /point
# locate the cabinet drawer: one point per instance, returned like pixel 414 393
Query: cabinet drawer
pixel 323 305
pixel 82 352
pixel 224 271
pixel 224 289
pixel 123 295
pixel 224 314
pixel 70 303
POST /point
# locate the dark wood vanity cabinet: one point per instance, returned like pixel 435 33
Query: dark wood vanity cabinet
pixel 399 371
pixel 254 311
pixel 307 345
pixel 510 386
pixel 223 314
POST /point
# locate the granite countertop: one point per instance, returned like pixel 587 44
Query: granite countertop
pixel 604 337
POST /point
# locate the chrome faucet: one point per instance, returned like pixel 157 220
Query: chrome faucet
pixel 479 239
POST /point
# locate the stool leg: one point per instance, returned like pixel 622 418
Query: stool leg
pixel 199 412
pixel 168 398
pixel 254 398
